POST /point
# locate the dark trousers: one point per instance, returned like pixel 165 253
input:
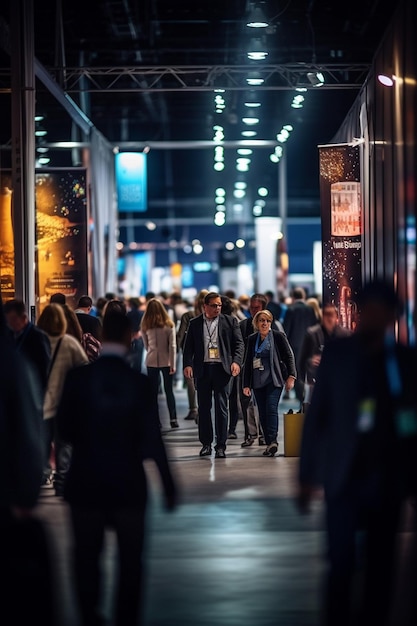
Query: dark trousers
pixel 89 526
pixel 360 521
pixel 153 375
pixel 267 399
pixel 62 450
pixel 213 383
pixel 234 406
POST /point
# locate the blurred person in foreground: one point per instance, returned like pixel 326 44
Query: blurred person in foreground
pixel 359 444
pixel 25 587
pixel 109 415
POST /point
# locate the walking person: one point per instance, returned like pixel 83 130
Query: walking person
pixel 108 414
pixel 181 334
pixel 66 353
pixel 213 353
pixel 360 444
pixel 269 368
pixel 159 340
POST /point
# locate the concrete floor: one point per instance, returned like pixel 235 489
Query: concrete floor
pixel 235 551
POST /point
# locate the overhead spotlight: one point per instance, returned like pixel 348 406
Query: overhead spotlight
pixel 386 80
pixel 250 119
pixel 257 50
pixel 251 101
pixel 316 78
pixel 257 18
pixel 248 133
pixel 255 79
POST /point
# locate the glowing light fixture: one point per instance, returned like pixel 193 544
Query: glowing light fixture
pixel 257 51
pixel 240 243
pixel 255 79
pixel 386 80
pixel 251 101
pixel 220 191
pixel 249 133
pixel 316 78
pixel 263 192
pixel 244 151
pixel 257 18
pixel 250 119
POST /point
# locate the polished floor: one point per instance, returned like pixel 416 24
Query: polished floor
pixel 235 551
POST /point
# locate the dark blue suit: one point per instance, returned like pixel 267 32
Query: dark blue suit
pixel 213 379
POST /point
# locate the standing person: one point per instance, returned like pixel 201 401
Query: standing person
pixel 213 352
pixel 89 323
pixel 315 340
pixel 269 368
pixel 159 340
pixel 181 334
pixel 24 592
pixel 257 303
pixel 32 343
pixel 298 318
pixel 109 415
pixel 360 443
pixel 67 353
pixel 135 315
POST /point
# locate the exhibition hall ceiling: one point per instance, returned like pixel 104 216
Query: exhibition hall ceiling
pixel 164 73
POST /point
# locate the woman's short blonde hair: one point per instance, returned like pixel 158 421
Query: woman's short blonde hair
pixel 52 320
pixel 265 313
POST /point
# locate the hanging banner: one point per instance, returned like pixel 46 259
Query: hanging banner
pixel 7 270
pixel 341 219
pixel 61 234
pixel 131 181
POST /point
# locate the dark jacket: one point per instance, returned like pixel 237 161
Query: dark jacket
pixel 331 440
pixel 315 339
pixel 298 318
pixel 281 356
pixel 33 344
pixel 90 324
pixel 109 416
pixel 230 343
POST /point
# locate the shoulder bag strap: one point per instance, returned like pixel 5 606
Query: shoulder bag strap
pixel 54 356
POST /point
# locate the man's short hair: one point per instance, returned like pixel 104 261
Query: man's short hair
pixel 299 293
pixel 58 298
pixel 261 298
pixel 85 302
pixel 15 306
pixel 116 327
pixel 210 296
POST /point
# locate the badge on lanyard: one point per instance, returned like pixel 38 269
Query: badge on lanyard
pixel 213 352
pixel 257 364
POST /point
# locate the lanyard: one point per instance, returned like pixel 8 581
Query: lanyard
pixel 211 330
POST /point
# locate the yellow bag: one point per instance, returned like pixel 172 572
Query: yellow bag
pixel 293 429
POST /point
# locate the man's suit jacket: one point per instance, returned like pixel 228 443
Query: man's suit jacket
pixel 330 438
pixel 108 413
pixel 90 324
pixel 298 318
pixel 33 344
pixel 230 343
pixel 313 344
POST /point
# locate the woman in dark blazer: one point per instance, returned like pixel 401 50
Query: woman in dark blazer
pixel 269 367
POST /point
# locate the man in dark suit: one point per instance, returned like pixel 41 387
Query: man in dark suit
pixel 298 318
pixel 213 352
pixel 110 417
pixel 360 443
pixel 89 323
pixel 31 342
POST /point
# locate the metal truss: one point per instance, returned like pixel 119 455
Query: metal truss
pixel 157 78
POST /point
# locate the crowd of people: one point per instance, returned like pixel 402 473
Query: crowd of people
pixel 89 417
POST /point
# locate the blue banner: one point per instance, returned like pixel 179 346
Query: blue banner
pixel 131 181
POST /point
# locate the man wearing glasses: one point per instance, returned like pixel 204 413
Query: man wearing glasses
pixel 213 353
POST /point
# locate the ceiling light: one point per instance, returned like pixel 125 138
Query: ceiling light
pixel 198 248
pixel 257 51
pixel 239 193
pixel 263 192
pixel 219 166
pixel 219 219
pixel 257 18
pixel 251 100
pixel 288 127
pixel 257 210
pixel 316 78
pixel 386 80
pixel 43 160
pixel 220 191
pixel 240 243
pixel 240 185
pixel 250 118
pixel 220 200
pixel 255 79
pixel 274 158
pixel 41 132
pixel 244 151
pixel 229 245
pixel 42 149
pixel 248 133
pixel 150 225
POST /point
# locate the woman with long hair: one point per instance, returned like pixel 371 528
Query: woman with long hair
pixel 159 339
pixel 66 353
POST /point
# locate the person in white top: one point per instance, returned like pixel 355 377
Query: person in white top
pixel 159 339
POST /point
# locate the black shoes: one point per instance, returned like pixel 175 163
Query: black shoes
pixel 192 415
pixel 220 454
pixel 205 451
pixel 271 450
pixel 232 435
pixel 248 442
pixel 174 424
